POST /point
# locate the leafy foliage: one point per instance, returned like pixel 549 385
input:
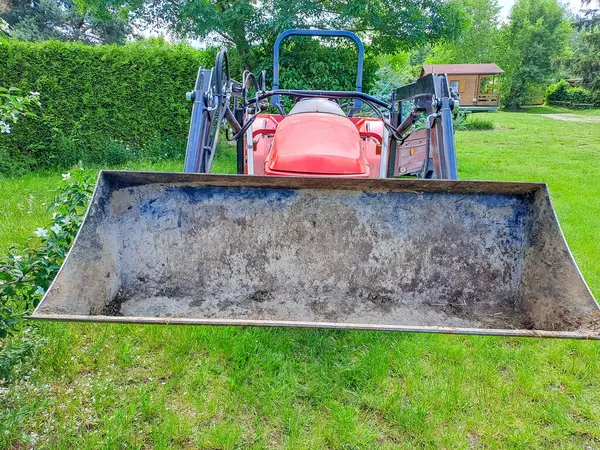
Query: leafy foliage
pixel 535 37
pixel 557 92
pixel 248 25
pixel 40 20
pixel 307 64
pixel 562 93
pixel 137 108
pixel 387 79
pixel 27 271
pixel 13 106
pixel 394 71
pixel 586 61
pixel 476 43
pixel 102 104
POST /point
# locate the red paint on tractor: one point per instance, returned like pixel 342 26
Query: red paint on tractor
pixel 317 143
pixel 267 126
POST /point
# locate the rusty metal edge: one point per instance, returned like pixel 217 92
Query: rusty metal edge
pixel 582 334
pixel 418 186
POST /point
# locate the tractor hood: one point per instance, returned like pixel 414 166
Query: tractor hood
pixel 317 143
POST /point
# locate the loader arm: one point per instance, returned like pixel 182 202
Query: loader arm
pixel 432 96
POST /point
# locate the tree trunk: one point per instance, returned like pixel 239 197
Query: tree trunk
pixel 243 47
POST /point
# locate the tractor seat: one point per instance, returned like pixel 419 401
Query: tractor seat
pixel 317 105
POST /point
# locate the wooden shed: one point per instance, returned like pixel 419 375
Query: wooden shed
pixel 477 84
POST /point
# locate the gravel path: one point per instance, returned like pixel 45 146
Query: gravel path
pixel 573 118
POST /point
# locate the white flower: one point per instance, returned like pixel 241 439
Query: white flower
pixel 41 232
pixel 34 94
pixel 40 290
pixel 18 258
pixel 4 127
pixel 54 214
pixel 56 228
pixel 66 176
pixel 66 221
pixel 4 25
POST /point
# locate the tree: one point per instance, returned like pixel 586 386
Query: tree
pixel 476 43
pixel 586 57
pixel 389 25
pixel 586 60
pixel 537 34
pixel 38 20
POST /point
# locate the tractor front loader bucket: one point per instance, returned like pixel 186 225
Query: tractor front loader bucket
pixel 407 255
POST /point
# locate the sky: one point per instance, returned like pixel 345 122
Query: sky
pixel 574 5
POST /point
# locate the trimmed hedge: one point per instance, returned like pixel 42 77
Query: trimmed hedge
pixel 109 104
pixel 100 104
pixel 563 94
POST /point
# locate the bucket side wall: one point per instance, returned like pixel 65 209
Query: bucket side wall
pixel 90 275
pixel 553 292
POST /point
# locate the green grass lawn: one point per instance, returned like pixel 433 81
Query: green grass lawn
pixel 124 386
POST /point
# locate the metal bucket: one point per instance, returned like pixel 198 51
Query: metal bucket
pixel 407 255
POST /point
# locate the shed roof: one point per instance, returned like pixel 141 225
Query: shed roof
pixel 462 69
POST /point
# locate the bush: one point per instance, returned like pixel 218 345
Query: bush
pixel 160 149
pixel 306 64
pixel 479 125
pixel 386 80
pixel 99 104
pixel 464 121
pixel 579 95
pixel 26 273
pixel 563 94
pixel 109 104
pixel 558 92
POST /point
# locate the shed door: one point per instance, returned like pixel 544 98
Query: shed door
pixel 471 89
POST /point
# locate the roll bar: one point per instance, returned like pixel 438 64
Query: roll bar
pixel 323 33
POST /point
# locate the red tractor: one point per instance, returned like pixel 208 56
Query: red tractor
pixel 316 137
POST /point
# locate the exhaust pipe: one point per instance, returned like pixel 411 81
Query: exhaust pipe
pixel 472 257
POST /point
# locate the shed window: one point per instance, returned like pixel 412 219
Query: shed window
pixel 454 84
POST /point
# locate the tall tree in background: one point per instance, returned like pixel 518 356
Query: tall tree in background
pixel 586 61
pixel 586 57
pixel 389 24
pixel 536 35
pixel 477 42
pixel 38 20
